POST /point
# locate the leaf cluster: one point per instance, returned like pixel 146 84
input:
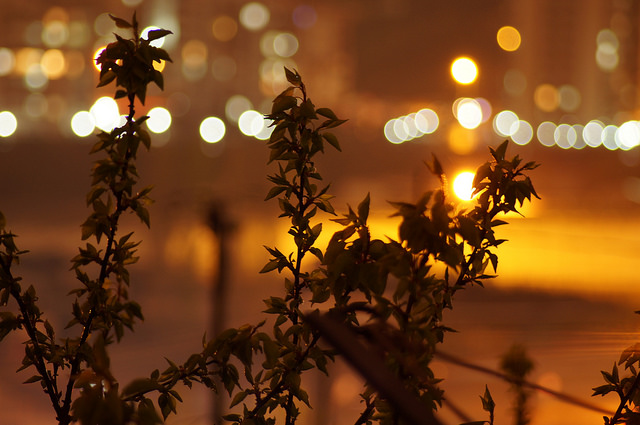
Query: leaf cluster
pixel 101 311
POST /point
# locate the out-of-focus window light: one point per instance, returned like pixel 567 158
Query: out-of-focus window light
pixel 235 106
pixel 468 113
pixel 83 123
pixel 7 61
pixel 36 105
pixel 592 133
pixel 569 98
pixel 285 44
pixel 607 45
pixel 194 60
pixel 105 113
pixel 212 129
pixel 103 25
pixel 158 42
pixel 53 64
pixel 464 70
pixel 545 133
pixel 509 38
pixel 159 120
pixel 35 79
pixel 463 185
pixel 304 16
pixel 224 28
pixel 515 82
pixel 224 68
pixel 503 123
pixel 8 123
pixel 546 98
pixel 254 16
pixel 523 134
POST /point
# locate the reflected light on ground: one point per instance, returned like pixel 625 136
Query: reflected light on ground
pixel 212 129
pixel 509 38
pixel 8 124
pixel 463 185
pixel 464 70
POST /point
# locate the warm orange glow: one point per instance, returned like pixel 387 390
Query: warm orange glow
pixel 464 70
pixel 509 39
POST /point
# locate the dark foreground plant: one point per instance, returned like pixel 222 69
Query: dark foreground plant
pixel 389 294
pixel 74 370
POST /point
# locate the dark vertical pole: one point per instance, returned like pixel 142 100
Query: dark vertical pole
pixel 219 224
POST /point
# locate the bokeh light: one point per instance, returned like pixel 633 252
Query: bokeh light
pixel 592 133
pixel 251 123
pixel 565 136
pixel 224 68
pixel 546 97
pixel 463 185
pixel 503 123
pixel 83 123
pixel 53 64
pixel 224 28
pixel 607 45
pixel 304 16
pixel 7 61
pixel 254 16
pixel 509 38
pixel 545 133
pixel 569 98
pixel 105 113
pixel 628 135
pixel 194 59
pixel 212 129
pixel 159 119
pixel 523 132
pixel 235 106
pixel 464 70
pixel 514 82
pixel 8 123
pixel 468 112
pixel 285 44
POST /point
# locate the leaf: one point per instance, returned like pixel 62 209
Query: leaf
pixel 292 76
pixel 363 210
pixel 237 399
pixel 120 23
pixel 156 34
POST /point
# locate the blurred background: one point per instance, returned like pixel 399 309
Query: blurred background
pixel 414 78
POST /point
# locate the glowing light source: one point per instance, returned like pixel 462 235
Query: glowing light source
pixel 628 135
pixel 212 129
pixel 159 120
pixel 8 124
pixel 523 132
pixel 251 122
pixel 509 38
pixel 546 132
pixel 463 185
pixel 285 44
pixel 469 113
pixel 105 113
pixel 592 133
pixel 235 106
pixel 464 70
